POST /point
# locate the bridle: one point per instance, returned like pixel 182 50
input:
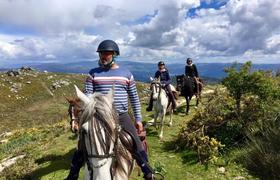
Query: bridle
pixel 158 88
pixel 107 154
pixel 74 112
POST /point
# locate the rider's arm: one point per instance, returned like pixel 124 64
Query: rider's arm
pixel 89 85
pixel 157 74
pixel 134 100
pixel 168 79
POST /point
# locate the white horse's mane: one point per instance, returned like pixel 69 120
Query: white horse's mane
pixel 100 119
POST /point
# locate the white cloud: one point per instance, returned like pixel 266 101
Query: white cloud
pixel 64 47
pixel 145 30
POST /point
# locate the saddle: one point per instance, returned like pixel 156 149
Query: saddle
pixel 173 90
pixel 129 142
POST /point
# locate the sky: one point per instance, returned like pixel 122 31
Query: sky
pixel 36 31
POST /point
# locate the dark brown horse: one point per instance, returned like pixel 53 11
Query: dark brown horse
pixel 187 86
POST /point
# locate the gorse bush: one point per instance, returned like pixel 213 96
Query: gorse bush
pixel 249 98
pixel 196 133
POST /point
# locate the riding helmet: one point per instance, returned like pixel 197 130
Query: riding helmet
pixel 108 45
pixel 160 63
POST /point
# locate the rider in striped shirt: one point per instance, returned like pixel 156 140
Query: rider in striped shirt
pixel 103 78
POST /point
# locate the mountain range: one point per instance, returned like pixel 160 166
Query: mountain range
pixel 211 72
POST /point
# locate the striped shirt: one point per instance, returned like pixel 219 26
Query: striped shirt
pixel 101 80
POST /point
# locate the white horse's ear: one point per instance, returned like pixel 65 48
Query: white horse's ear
pixel 151 78
pixel 81 95
pixel 111 93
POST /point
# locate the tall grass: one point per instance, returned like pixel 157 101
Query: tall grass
pixel 262 157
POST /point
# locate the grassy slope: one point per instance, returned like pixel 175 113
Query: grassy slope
pixel 49 149
pixel 33 103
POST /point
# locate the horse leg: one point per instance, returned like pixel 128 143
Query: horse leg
pixel 155 119
pixel 162 123
pixel 197 100
pixel 170 120
pixel 187 105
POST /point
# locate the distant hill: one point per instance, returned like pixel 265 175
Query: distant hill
pixel 210 72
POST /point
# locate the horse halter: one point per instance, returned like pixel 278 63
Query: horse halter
pixel 157 86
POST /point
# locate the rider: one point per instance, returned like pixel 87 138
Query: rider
pixel 165 81
pixel 191 71
pixel 102 79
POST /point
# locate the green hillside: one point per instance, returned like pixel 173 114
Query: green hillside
pixel 34 98
pixel 36 114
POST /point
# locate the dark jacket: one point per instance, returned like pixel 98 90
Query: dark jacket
pixel 191 71
pixel 164 77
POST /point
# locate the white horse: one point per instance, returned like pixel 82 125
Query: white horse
pixel 106 157
pixel 160 104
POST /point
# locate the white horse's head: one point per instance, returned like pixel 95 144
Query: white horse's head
pixel 98 135
pixel 155 88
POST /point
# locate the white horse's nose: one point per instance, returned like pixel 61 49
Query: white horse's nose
pixel 155 96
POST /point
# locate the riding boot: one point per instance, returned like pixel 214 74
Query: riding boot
pixel 150 107
pixel 76 164
pixel 142 160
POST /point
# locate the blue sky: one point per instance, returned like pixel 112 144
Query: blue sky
pixel 146 30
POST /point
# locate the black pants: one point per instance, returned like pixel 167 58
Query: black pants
pixel 171 96
pixel 139 154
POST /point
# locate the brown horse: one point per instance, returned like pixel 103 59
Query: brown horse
pixel 74 112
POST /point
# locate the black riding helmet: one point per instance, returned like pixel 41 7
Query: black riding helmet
pixel 160 63
pixel 108 45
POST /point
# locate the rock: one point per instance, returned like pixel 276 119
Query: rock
pixel 6 134
pixel 14 90
pixel 26 68
pixel 8 162
pixel 13 73
pixel 4 141
pixel 59 84
pixel 221 170
pixel 28 82
pixel 65 83
pixel 49 77
pixel 239 178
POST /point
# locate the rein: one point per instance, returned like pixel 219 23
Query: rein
pixel 106 155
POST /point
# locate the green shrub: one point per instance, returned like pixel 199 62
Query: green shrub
pixel 262 156
pixel 249 98
pixel 196 134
